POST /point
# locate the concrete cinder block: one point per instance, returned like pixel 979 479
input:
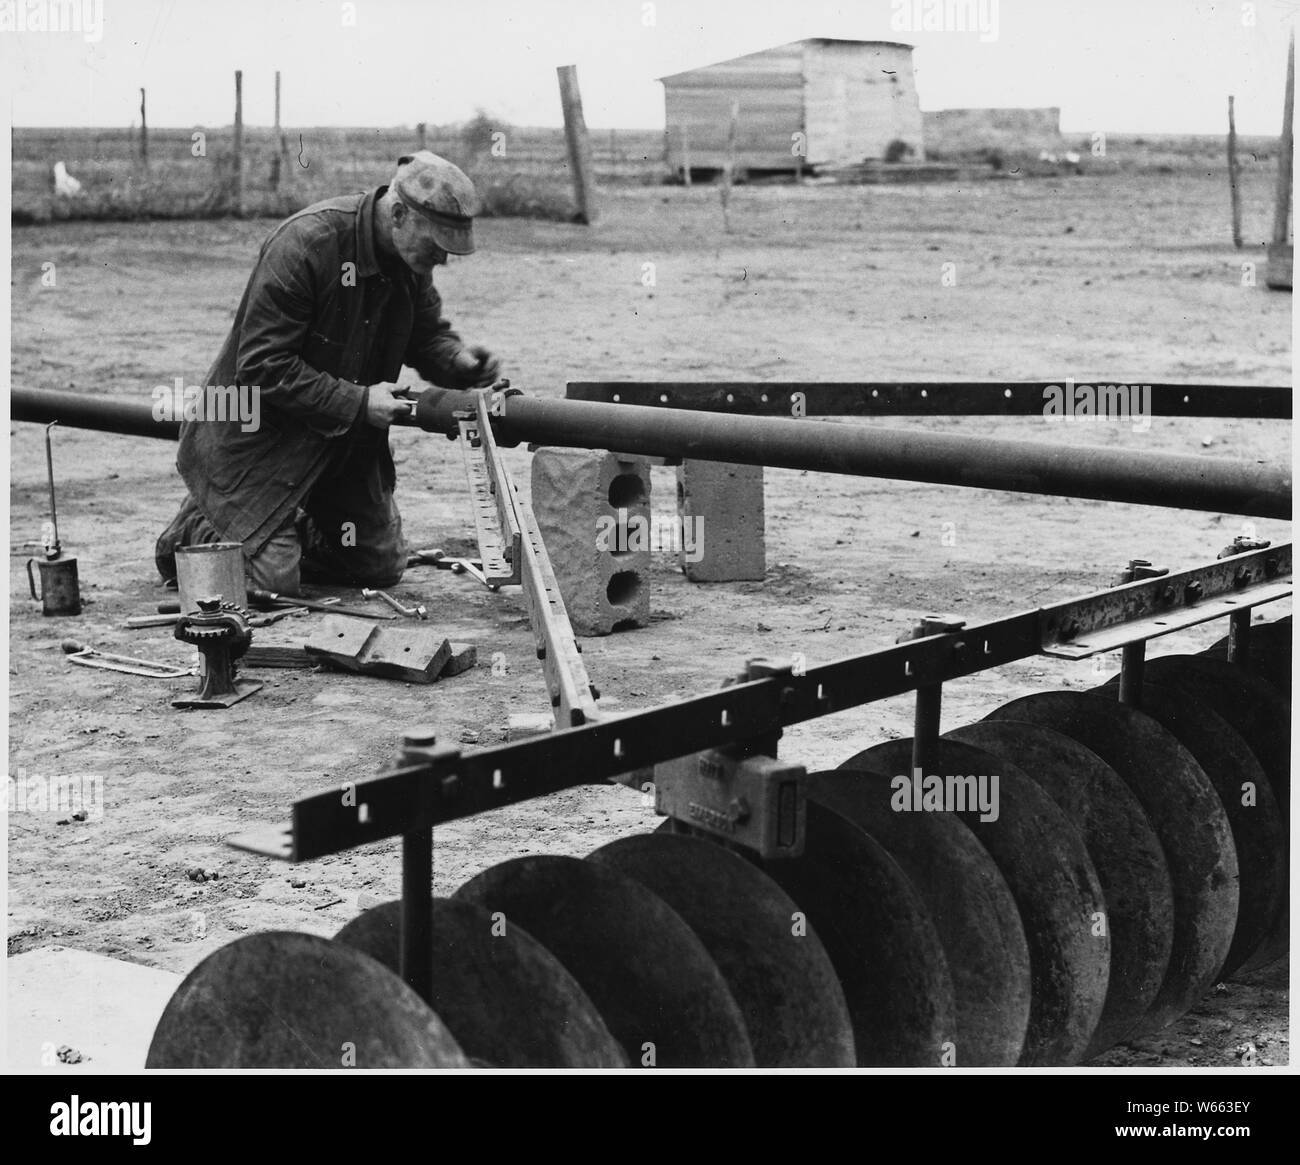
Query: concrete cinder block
pixel 721 510
pixel 593 510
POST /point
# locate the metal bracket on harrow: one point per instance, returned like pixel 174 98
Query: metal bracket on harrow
pixel 741 793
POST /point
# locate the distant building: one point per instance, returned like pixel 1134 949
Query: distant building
pixel 956 131
pixel 836 101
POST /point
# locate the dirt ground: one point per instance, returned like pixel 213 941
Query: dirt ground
pixel 1131 280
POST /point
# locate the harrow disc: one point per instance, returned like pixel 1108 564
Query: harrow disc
pixel 1052 880
pixel 1247 798
pixel 654 983
pixel 288 1000
pixel 508 1001
pixel 1125 852
pixel 1269 655
pixel 777 969
pixel 1251 705
pixel 973 913
pixel 880 938
pixel 1263 720
pixel 1188 818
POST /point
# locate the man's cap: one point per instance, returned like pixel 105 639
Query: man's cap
pixel 441 194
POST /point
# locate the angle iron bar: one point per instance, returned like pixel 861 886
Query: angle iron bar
pixel 919 398
pixel 1179 600
pixel 497 569
pixel 566 674
pixel 499 484
pixel 465 784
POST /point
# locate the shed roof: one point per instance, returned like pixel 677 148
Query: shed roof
pixel 893 44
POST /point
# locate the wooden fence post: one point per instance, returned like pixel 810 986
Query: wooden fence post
pixel 237 181
pixel 1233 175
pixel 575 133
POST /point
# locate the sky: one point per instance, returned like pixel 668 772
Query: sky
pixel 1123 66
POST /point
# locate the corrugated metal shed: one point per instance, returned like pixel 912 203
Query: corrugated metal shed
pixel 840 101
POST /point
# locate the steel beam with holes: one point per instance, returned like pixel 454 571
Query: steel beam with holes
pixel 515 528
pixel 458 785
pixel 890 398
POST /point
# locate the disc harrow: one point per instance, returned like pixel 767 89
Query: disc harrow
pixel 1133 854
pixel 1076 870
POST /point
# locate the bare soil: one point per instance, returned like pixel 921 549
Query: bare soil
pixel 1128 279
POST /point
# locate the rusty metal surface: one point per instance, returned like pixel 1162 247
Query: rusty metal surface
pixel 968 902
pixel 881 940
pixel 775 964
pixel 1148 608
pixel 287 1000
pixel 505 998
pixel 1125 852
pixel 1188 819
pixel 657 988
pixel 1055 887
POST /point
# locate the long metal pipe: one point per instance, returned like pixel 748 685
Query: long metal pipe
pixel 110 414
pixel 1180 481
pixel 1251 488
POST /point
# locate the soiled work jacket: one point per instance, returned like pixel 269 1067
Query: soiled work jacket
pixel 322 317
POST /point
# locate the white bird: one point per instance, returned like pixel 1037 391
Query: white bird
pixel 1072 157
pixel 65 185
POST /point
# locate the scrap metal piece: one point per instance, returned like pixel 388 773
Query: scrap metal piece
pixel 1125 852
pixel 1052 879
pixel 773 960
pixel 652 979
pixel 415 654
pixel 505 998
pixel 1188 819
pixel 286 1000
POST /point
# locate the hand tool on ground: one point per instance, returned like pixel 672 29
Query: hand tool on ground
pixel 419 611
pixel 439 560
pixel 330 606
pixel 60 592
pixel 136 622
pixel 275 616
pixel 87 656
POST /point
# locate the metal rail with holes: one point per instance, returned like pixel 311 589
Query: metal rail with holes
pixel 457 785
pixel 888 398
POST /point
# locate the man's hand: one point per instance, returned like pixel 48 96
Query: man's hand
pixel 384 403
pixel 477 365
